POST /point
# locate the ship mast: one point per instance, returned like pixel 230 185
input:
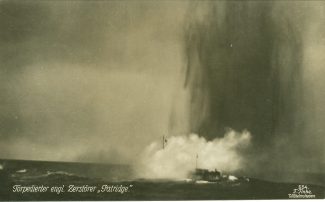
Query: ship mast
pixel 197 157
pixel 164 142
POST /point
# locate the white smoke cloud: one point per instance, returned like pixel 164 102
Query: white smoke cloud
pixel 178 157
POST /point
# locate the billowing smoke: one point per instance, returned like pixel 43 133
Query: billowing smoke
pixel 182 154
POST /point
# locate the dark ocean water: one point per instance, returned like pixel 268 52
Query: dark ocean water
pixel 35 180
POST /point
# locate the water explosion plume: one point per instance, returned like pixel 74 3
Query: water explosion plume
pixel 183 153
pixel 247 66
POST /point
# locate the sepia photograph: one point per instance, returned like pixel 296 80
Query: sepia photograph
pixel 159 100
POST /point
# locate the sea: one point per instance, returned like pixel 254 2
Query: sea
pixel 44 180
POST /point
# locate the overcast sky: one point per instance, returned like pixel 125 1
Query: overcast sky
pixel 87 81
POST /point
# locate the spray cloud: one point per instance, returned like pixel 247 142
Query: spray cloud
pixel 178 157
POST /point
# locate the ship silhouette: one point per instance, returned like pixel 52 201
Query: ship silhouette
pixel 200 174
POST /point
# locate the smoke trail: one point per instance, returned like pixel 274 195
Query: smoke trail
pixel 179 157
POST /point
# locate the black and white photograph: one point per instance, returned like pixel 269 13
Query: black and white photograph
pixel 159 100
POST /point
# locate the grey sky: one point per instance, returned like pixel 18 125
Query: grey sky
pixel 83 79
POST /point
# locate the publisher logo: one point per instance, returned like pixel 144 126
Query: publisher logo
pixel 301 192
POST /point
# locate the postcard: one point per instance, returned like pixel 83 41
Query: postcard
pixel 161 100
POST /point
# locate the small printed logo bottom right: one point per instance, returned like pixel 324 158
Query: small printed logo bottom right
pixel 301 192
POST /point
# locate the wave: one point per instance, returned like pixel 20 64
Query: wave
pixel 24 174
pixel 49 173
pixel 21 171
